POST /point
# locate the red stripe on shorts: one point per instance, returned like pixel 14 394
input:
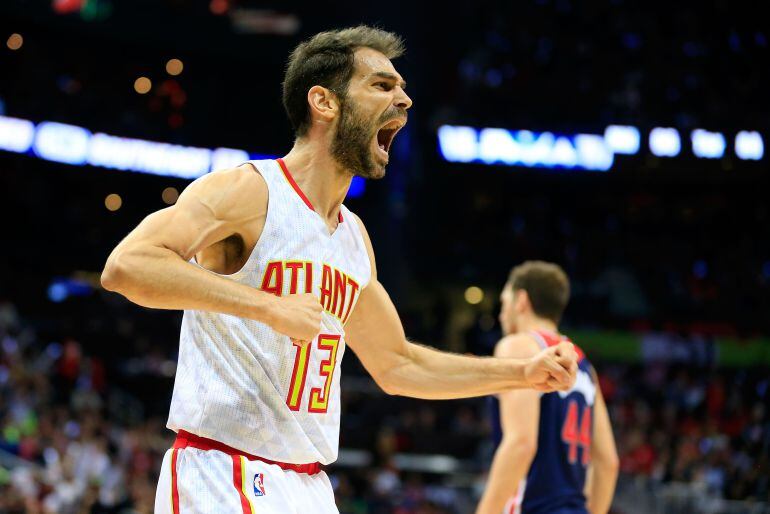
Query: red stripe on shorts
pixel 174 488
pixel 187 440
pixel 238 483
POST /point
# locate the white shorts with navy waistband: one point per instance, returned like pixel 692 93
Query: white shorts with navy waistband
pixel 195 481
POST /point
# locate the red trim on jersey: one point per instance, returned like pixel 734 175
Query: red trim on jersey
pixel 238 483
pixel 553 338
pixel 185 439
pixel 174 486
pixel 287 174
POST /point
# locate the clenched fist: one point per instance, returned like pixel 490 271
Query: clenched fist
pixel 553 369
pixel 297 316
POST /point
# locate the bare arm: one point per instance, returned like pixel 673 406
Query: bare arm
pixel 375 334
pixel 150 266
pixel 603 472
pixel 520 419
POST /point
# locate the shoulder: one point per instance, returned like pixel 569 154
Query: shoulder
pixel 360 224
pixel 367 242
pixel 230 193
pixel 245 180
pixel 517 346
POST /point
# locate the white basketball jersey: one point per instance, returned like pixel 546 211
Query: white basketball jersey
pixel 243 384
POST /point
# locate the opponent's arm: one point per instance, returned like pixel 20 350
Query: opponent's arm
pixel 150 266
pixel 519 444
pixel 603 472
pixel 375 334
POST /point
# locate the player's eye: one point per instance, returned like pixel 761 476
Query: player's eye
pixel 384 86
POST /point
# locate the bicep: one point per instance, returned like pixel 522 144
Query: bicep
pixel 520 415
pixel 374 331
pixel 209 210
pixel 519 409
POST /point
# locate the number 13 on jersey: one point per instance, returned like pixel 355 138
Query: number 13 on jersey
pixel 319 399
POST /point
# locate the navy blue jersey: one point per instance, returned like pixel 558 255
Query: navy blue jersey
pixel 557 475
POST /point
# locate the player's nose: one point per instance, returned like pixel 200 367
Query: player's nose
pixel 402 100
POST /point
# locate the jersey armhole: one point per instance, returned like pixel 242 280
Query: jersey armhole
pixel 360 236
pixel 254 251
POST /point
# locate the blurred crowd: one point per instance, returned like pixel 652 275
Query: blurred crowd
pixel 71 441
pixel 518 65
pixel 644 64
pixel 638 256
pixel 675 245
pixel 690 425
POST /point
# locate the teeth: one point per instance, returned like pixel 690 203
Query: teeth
pixel 382 147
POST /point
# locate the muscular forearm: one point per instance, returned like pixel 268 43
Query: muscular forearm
pixel 160 279
pixel 509 467
pixel 431 374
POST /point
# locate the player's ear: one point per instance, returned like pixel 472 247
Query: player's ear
pixel 324 104
pixel 521 303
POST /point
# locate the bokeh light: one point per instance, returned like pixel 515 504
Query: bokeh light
pixel 142 85
pixel 174 67
pixel 113 202
pixel 15 41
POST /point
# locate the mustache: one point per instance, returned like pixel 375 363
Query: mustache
pixel 394 113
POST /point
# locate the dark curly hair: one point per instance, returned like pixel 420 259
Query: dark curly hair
pixel 326 60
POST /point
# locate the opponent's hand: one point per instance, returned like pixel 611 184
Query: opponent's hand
pixel 297 316
pixel 553 369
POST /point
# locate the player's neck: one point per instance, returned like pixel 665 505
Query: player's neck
pixel 318 176
pixel 533 323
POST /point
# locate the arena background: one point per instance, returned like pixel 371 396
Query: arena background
pixel 627 145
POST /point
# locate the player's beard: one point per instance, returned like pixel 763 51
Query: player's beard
pixel 352 143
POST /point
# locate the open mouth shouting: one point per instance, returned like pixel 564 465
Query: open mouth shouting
pixel 385 136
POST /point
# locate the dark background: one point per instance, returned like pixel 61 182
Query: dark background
pixel 658 249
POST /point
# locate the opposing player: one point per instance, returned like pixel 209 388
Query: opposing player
pixel 559 457
pixel 275 277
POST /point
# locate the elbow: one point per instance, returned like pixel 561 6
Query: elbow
pixel 523 448
pixel 390 391
pixel 608 463
pixel 390 375
pixel 115 273
pixel 527 449
pixel 388 386
pixel 110 277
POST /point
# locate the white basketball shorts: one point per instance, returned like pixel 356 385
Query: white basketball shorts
pixel 201 476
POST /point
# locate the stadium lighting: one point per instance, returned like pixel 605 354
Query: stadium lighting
pixel 75 145
pixel 174 67
pixel 15 41
pixel 16 135
pixel 149 157
pixel 524 148
pixel 222 158
pixel 665 142
pixel 62 143
pixel 142 85
pixel 708 145
pixel 458 144
pixel 474 295
pixel 593 152
pixel 113 202
pixel 170 195
pixel 622 139
pixel 749 145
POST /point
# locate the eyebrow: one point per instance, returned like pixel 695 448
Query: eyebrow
pixel 390 76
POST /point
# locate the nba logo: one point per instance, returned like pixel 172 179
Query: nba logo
pixel 259 484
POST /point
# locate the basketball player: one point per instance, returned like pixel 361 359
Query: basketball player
pixel 276 277
pixel 560 457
